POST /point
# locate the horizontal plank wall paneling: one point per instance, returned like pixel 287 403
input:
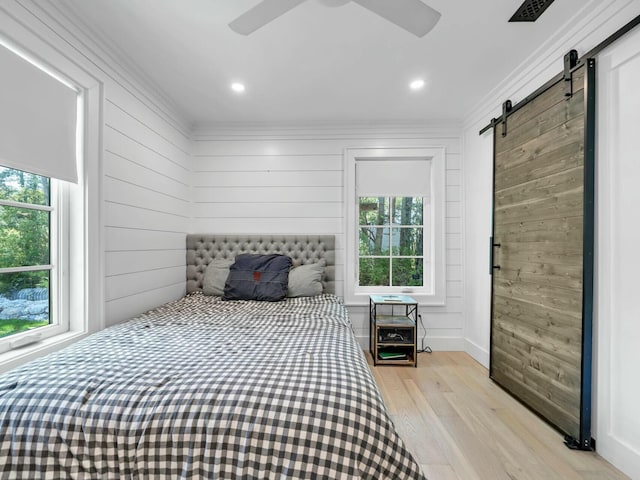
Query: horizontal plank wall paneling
pixel 139 239
pixel 145 166
pixel 290 180
pixel 147 199
pixel 147 202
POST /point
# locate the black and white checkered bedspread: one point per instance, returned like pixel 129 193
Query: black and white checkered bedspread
pixel 201 388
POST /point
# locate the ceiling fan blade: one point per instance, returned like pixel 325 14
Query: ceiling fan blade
pixel 412 15
pixel 261 14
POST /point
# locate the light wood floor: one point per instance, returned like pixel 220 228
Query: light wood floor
pixel 461 426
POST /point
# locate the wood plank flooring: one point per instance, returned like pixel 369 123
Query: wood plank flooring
pixel 462 426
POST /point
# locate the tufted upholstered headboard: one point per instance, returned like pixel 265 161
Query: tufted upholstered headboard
pixel 303 249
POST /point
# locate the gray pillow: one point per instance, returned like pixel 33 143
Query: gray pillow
pixel 215 276
pixel 305 280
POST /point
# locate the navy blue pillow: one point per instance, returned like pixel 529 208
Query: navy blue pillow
pixel 258 277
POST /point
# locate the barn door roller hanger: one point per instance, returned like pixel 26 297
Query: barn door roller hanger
pixel 570 64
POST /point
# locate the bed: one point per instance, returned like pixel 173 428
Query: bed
pixel 207 388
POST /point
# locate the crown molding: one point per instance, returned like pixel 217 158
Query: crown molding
pixel 324 130
pixel 590 25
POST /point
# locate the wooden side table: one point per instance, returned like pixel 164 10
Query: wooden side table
pixel 392 330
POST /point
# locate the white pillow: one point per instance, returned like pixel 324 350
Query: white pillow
pixel 305 280
pixel 215 276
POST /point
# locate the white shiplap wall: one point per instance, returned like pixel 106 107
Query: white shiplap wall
pixel 290 180
pixel 145 166
pixel 146 204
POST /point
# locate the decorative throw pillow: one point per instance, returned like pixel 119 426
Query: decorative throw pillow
pixel 305 280
pixel 215 276
pixel 258 277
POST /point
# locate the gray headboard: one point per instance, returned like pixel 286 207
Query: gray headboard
pixel 303 249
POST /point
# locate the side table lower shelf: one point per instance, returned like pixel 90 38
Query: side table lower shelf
pixel 395 354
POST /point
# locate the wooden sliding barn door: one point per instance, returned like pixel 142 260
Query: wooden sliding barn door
pixel 542 220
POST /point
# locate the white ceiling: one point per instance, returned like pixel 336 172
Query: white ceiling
pixel 317 63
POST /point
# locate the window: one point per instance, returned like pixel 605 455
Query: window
pixel 391 242
pixel 395 223
pixel 50 125
pixel 30 231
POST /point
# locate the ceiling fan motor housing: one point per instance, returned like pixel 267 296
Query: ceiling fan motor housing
pixel 334 3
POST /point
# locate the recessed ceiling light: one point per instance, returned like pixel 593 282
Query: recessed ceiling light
pixel 238 87
pixel 416 84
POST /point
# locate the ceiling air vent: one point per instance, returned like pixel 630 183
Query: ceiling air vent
pixel 530 10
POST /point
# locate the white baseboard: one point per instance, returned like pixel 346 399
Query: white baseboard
pixel 477 352
pixel 621 455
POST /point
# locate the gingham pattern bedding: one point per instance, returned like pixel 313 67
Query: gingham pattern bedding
pixel 202 388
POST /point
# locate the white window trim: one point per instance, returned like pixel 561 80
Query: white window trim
pixel 355 295
pixel 58 275
pixel 86 231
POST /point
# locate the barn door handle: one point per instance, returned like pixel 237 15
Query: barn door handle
pixel 492 245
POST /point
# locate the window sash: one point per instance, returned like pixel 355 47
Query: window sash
pixel 58 277
pixel 30 206
pixel 30 268
pixel 388 230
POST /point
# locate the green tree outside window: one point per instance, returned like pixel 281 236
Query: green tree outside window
pixel 391 234
pixel 24 239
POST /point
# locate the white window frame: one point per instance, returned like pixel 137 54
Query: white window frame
pixel 435 259
pixel 58 268
pixel 82 292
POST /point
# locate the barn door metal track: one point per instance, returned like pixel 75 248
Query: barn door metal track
pixel 561 76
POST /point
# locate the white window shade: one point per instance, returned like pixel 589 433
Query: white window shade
pixel 37 120
pixel 393 177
